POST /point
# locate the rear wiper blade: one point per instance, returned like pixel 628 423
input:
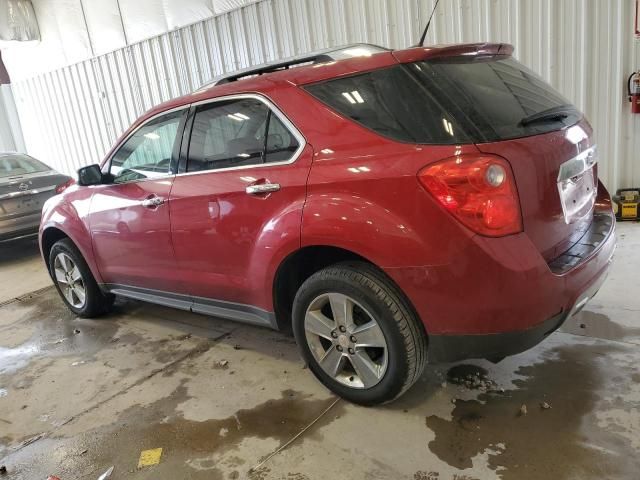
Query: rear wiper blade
pixel 555 114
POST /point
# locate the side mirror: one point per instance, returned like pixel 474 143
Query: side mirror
pixel 91 175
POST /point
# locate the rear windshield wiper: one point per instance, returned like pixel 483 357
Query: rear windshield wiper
pixel 555 114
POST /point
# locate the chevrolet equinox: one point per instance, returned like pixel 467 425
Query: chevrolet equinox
pixel 392 208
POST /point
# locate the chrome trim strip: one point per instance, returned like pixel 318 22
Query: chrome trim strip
pixel 35 191
pixel 578 164
pixel 206 306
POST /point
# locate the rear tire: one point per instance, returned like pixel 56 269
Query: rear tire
pixel 75 282
pixel 374 351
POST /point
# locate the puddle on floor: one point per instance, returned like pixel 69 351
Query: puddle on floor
pixel 543 443
pixel 191 449
pixel 53 329
pixel 597 325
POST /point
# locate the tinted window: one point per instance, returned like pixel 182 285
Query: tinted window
pixel 14 165
pixel 450 101
pixel 147 153
pixel 238 133
pixel 281 143
pixel 495 99
pixel 392 103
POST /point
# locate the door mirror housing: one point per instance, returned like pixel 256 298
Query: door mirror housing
pixel 91 175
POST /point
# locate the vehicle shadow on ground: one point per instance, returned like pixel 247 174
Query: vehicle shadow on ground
pixel 18 250
pixel 261 340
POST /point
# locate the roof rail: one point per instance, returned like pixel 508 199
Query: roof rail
pixel 320 56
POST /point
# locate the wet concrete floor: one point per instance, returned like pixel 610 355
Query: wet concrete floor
pixel 226 401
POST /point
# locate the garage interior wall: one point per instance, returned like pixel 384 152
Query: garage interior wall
pixel 585 48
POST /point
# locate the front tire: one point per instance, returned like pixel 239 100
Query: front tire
pixel 75 282
pixel 358 334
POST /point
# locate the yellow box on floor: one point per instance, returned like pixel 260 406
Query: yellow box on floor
pixel 149 457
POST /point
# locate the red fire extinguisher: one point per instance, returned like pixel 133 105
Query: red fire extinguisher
pixel 633 87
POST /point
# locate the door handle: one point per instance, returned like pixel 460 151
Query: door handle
pixel 262 188
pixel 152 202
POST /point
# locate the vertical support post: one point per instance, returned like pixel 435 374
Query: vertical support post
pixel 637 22
pixel 11 138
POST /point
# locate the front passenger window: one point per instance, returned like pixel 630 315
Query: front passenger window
pixel 147 153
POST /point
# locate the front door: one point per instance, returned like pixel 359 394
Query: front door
pixel 129 218
pixel 239 204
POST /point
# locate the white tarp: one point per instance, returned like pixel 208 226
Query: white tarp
pixel 104 26
pixel 76 30
pixel 17 22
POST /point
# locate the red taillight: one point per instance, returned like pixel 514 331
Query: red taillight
pixel 479 190
pixel 63 186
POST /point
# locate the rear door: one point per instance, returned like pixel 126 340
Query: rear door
pixel 129 218
pixel 239 203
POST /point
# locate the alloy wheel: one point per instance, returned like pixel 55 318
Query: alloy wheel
pixel 70 280
pixel 346 340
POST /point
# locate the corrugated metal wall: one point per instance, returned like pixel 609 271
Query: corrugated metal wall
pixel 585 48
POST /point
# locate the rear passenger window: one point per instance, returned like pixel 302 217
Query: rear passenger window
pixel 238 133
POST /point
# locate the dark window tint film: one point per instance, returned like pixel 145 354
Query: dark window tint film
pixel 232 134
pixel 393 103
pixel 450 101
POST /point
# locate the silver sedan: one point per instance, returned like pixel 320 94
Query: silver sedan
pixel 25 184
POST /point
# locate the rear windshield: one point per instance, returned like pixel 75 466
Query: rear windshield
pixel 450 101
pixel 14 165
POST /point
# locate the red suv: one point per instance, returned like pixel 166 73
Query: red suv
pixel 392 207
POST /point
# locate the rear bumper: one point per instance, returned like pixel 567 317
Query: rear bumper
pixel 452 348
pixel 499 297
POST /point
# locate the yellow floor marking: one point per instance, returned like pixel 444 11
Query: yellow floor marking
pixel 149 457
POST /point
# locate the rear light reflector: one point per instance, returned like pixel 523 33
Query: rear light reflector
pixel 479 190
pixel 63 186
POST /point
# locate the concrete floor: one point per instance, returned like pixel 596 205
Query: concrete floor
pixel 22 270
pixel 226 401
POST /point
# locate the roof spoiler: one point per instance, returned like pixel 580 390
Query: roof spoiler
pixel 439 51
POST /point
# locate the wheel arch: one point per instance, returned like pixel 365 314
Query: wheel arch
pixel 48 239
pixel 53 232
pixel 304 262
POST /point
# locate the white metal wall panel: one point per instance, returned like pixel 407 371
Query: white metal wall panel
pixel 585 48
